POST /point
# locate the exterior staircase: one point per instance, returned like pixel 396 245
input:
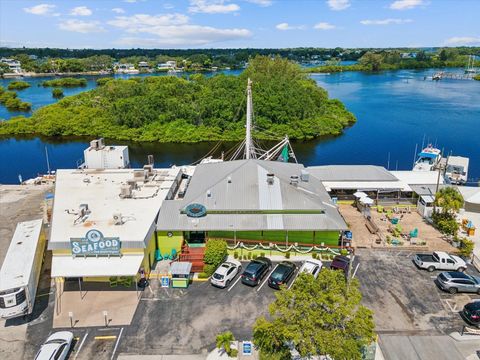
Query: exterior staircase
pixel 193 255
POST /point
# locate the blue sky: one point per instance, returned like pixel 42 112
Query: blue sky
pixel 238 23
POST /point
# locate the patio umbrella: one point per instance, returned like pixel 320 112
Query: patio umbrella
pixel 360 194
pixel 366 200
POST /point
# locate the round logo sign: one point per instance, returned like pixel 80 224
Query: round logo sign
pixel 196 210
pixel 93 235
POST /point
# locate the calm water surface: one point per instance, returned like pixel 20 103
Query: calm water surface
pixel 395 111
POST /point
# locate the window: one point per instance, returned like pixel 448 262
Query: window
pixel 59 352
pixel 230 271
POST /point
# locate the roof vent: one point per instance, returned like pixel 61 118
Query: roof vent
pixel 83 210
pixel 117 219
pixel 270 178
pixel 94 144
pixel 294 180
pixel 149 169
pixel 229 179
pixel 126 192
pixel 209 193
pixel 305 176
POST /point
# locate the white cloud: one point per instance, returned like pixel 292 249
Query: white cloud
pixel 386 22
pixel 263 3
pixel 171 30
pixel 81 26
pixel 463 40
pixel 287 26
pixel 81 11
pixel 406 4
pixel 212 7
pixel 42 9
pixel 324 26
pixel 168 6
pixel 338 5
pixel 118 10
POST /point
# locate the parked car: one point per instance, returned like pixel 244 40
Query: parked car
pixel 56 346
pixel 455 281
pixel 341 262
pixel 471 313
pixel 282 274
pixel 311 266
pixel 440 260
pixel 225 273
pixel 256 271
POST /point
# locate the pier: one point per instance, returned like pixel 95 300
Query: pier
pixel 455 76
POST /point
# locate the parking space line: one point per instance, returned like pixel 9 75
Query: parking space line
pixel 266 278
pixel 295 278
pixel 235 283
pixel 454 308
pixel 355 272
pixel 116 344
pixel 80 346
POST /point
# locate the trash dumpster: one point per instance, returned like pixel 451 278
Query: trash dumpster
pixel 180 272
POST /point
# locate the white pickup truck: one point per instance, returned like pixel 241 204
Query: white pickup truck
pixel 439 260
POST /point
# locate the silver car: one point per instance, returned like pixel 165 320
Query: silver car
pixel 56 346
pixel 454 281
pixel 225 273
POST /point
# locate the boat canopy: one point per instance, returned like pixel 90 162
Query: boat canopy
pixel 428 155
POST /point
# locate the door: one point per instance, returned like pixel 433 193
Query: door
pixel 450 264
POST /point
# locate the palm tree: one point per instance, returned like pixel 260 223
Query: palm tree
pixel 450 200
pixel 224 340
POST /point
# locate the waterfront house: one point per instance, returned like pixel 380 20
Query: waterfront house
pixel 13 65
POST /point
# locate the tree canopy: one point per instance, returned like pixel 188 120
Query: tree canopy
pixel 449 199
pixel 172 109
pixel 320 316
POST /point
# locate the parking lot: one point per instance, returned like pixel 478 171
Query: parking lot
pixel 167 321
pixel 404 298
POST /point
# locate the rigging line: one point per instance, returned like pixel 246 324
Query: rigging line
pixel 232 149
pixel 210 152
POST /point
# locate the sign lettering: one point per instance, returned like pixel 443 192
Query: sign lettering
pixel 94 243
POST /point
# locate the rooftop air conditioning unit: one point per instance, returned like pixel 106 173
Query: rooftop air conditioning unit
pixel 305 176
pixel 270 179
pixel 149 169
pixel 138 175
pixel 83 210
pixel 94 144
pixel 117 219
pixel 294 180
pixel 126 192
pixel 101 143
pixel 132 183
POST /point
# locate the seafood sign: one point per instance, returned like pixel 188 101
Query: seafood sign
pixel 94 243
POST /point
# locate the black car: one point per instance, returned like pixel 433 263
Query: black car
pixel 256 271
pixel 341 262
pixel 471 313
pixel 282 274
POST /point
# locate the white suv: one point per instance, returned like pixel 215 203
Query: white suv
pixel 311 266
pixel 56 347
pixel 225 273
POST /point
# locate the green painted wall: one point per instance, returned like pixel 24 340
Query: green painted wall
pixel 302 237
pixel 166 243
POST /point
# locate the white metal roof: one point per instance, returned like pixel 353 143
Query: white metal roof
pixel 68 266
pixel 458 161
pixel 19 260
pixel 351 173
pixel 100 190
pixel 417 177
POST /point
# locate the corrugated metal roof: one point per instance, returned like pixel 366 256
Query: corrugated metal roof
pixel 242 185
pixel 351 173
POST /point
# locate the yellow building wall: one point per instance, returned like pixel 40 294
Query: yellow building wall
pixel 149 254
pixel 167 243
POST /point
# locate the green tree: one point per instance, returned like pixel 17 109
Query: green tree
pixel 320 316
pixel 215 254
pixel 372 61
pixel 421 56
pixel 4 68
pixel 224 341
pixel 449 199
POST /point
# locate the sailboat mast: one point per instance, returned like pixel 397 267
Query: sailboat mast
pixel 248 137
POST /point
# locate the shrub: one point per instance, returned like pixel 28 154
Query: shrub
pixel 65 82
pixel 314 255
pixel 262 254
pixel 249 255
pixel 209 269
pixel 203 275
pixel 287 255
pixel 18 85
pixel 215 252
pixel 466 247
pixel 344 252
pixel 103 81
pixel 332 256
pixel 446 223
pixel 235 255
pixel 57 93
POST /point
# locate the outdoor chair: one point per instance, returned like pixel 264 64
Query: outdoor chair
pixel 158 255
pixel 414 233
pixel 173 254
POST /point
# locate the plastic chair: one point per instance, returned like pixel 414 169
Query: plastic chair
pixel 173 254
pixel 166 256
pixel 158 255
pixel 414 233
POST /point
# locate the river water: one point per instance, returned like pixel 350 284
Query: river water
pixel 396 111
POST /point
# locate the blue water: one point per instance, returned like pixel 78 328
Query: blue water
pixel 395 110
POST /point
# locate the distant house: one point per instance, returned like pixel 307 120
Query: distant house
pixel 33 57
pixel 13 65
pixel 143 65
pixel 125 68
pixel 408 55
pixel 171 64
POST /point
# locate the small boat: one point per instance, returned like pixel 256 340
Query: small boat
pixel 457 170
pixel 428 159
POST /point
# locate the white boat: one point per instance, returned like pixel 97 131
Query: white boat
pixel 457 170
pixel 428 159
